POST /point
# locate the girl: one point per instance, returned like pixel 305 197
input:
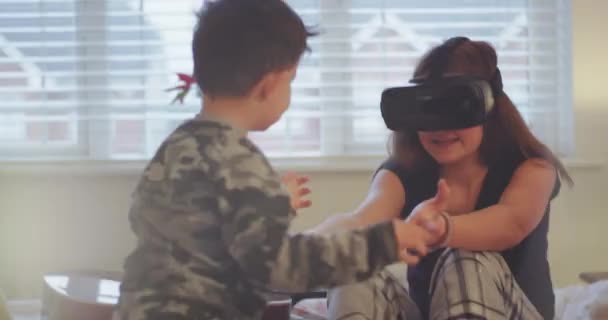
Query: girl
pixel 496 181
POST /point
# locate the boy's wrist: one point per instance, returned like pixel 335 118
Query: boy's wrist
pixel 383 236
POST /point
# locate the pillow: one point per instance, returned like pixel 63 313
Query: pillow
pixel 310 309
pixel 598 305
pixel 583 302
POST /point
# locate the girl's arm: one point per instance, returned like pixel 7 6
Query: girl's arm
pixel 384 201
pixel 518 212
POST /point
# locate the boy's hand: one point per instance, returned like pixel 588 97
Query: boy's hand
pixel 412 240
pixel 297 191
pixel 427 214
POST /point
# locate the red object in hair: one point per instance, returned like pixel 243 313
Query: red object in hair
pixel 188 79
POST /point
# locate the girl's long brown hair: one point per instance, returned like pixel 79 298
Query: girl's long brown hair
pixel 505 133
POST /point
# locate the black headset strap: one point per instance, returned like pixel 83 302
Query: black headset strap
pixel 442 56
pixel 496 83
pixel 496 80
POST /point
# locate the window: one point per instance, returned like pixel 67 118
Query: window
pixel 86 79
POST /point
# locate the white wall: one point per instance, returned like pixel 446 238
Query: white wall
pixel 53 221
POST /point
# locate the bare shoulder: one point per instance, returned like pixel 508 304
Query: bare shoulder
pixel 385 199
pixel 536 168
pixel 534 176
pixel 538 163
pixel 387 180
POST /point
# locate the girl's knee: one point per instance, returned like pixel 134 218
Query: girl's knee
pixel 463 264
pixel 465 258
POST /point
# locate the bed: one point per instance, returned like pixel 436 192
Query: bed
pixel 583 301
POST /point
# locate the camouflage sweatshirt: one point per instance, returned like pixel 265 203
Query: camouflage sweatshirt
pixel 211 219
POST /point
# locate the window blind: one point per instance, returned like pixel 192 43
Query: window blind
pixel 86 79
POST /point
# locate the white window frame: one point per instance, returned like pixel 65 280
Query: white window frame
pixel 95 146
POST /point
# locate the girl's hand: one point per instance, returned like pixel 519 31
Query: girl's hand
pixel 427 214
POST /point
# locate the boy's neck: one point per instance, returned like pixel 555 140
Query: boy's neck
pixel 234 111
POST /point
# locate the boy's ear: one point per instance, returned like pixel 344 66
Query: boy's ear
pixel 264 88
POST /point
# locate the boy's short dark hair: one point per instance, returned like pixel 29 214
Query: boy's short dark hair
pixel 237 42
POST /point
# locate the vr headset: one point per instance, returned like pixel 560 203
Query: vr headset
pixel 440 102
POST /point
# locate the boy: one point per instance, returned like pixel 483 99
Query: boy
pixel 211 215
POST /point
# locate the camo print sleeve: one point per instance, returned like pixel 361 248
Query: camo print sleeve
pixel 306 262
pixel 211 220
pixel 256 220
